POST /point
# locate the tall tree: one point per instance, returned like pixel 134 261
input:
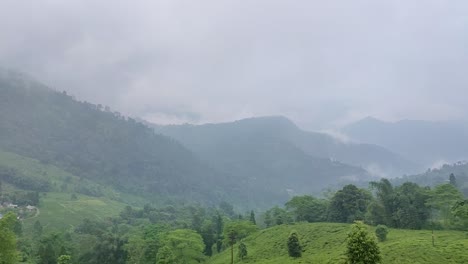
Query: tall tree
pixel 252 217
pixel 308 208
pixel 412 209
pixel 187 245
pixel 236 230
pixel 453 180
pixel 442 199
pixel 361 247
pixel 165 256
pixel 381 210
pixel 349 204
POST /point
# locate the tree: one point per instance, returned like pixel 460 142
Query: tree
pixel 294 246
pixel 307 208
pixel 349 204
pixel 37 229
pixel 453 180
pixel 236 230
pixel 64 259
pixel 252 217
pixel 242 250
pixel 381 210
pixel 460 211
pixel 381 232
pixel 277 216
pixel 165 256
pixel 361 248
pixel 187 245
pixel 219 227
pixel 411 206
pixel 442 198
pixel 110 249
pixel 209 236
pixel 8 254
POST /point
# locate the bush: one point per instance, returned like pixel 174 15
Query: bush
pixel 381 232
pixel 294 246
pixel 361 247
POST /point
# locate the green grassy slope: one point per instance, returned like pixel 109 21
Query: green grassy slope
pixel 59 211
pixel 56 209
pixel 326 243
pixel 58 179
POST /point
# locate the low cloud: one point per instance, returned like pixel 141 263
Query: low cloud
pixel 320 63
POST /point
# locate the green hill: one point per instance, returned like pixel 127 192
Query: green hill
pixel 267 163
pixel 99 145
pixel 200 138
pixel 58 210
pixel 326 243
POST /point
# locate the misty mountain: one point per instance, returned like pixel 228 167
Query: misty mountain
pixel 95 143
pixel 251 151
pixel 426 142
pixel 243 163
pixel 433 177
pixel 211 139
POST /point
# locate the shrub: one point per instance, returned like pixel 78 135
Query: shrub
pixel 381 232
pixel 294 246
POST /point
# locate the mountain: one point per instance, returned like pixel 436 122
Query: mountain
pixel 433 177
pixel 426 142
pixel 280 138
pixel 93 143
pixel 240 163
pixel 260 160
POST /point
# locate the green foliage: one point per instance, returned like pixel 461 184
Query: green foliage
pixel 381 232
pixel 51 247
pixel 8 253
pixel 442 198
pixel 266 149
pixel 361 247
pixel 187 246
pixel 144 243
pixel 325 243
pixel 165 256
pixel 349 204
pixel 109 249
pixel 93 143
pixel 294 246
pixel 242 253
pixel 277 216
pixel 252 217
pixel 308 208
pixel 64 259
pixel 453 180
pixel 460 212
pixel 236 230
pixel 58 212
pixel 37 229
pixel 405 206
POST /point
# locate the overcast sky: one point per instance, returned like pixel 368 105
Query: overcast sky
pixel 321 63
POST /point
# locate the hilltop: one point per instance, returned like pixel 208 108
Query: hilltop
pixel 326 242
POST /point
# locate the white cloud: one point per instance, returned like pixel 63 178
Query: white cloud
pixel 320 63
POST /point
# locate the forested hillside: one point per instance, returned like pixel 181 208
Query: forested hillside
pixel 250 163
pixel 256 152
pixel 241 146
pixel 94 143
pixel 456 173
